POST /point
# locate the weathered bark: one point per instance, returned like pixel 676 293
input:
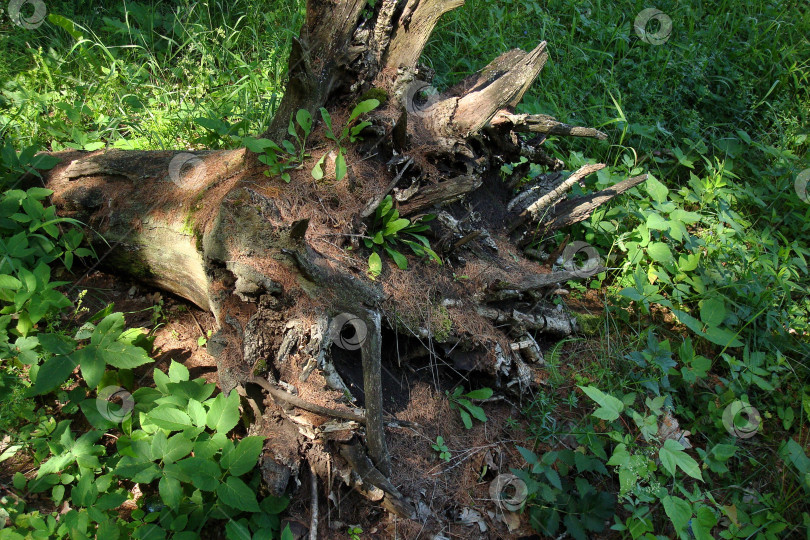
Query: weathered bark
pixel 318 59
pixel 212 228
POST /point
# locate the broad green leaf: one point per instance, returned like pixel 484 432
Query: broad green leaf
pixel 274 505
pixel 196 412
pixel 712 311
pixel 317 170
pixel 792 452
pixel 704 523
pixel 672 456
pixel 679 511
pixel 91 363
pixel 399 258
pixel 553 477
pixel 528 455
pixel 108 501
pixel 168 417
pixel 692 323
pixel 465 418
pixel 685 216
pixel 719 336
pixel 205 474
pixel 223 414
pixel 161 381
pixel 158 446
pixel 688 262
pixel 304 120
pixel 108 329
pixel 394 226
pixel 659 252
pixel 610 408
pixel 92 411
pixel 170 491
pixel 85 493
pixel 121 355
pixel 385 206
pixel 137 469
pixel 259 145
pixel 355 131
pixel 364 107
pixel 9 282
pixel 244 456
pixel 656 222
pixel 58 493
pixel 177 372
pixel 481 393
pixel 722 337
pixel 288 147
pixel 235 493
pixel 656 189
pixel 186 390
pixel 52 373
pixel 340 165
pixel 620 456
pixel 374 264
pixel 56 344
pixel 573 526
pixel 206 448
pixel 475 411
pixel 67 25
pixel 291 130
pixel 330 133
pixel 724 452
pixel 177 447
pixel 19 481
pixel 235 530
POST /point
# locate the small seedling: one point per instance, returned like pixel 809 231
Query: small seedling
pixel 461 402
pixel 282 159
pixel 353 133
pixel 202 340
pixel 441 448
pixel 354 532
pixel 389 230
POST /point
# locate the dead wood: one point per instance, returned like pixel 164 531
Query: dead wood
pixel 268 258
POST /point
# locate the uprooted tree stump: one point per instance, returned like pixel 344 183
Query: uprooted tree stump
pixel 271 261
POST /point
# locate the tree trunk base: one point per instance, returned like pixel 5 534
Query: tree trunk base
pixel 280 266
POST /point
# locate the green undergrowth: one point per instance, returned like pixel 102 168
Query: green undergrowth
pixel 82 415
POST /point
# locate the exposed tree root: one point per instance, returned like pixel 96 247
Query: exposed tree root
pixel 268 259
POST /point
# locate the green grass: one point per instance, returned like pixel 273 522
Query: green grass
pixel 136 76
pixel 727 65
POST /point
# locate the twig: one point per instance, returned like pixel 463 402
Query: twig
pixel 533 211
pixel 202 333
pixel 295 401
pixel 313 522
pixel 375 202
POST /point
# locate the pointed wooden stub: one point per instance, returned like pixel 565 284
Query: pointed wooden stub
pixel 413 30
